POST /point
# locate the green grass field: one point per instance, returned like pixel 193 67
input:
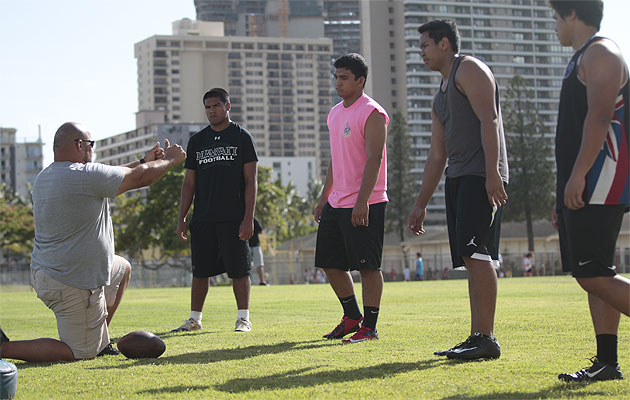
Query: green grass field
pixel 542 324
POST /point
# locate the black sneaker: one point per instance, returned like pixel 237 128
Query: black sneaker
pixel 599 371
pixel 457 346
pixel 109 350
pixel 479 346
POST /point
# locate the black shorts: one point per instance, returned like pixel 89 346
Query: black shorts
pixel 343 246
pixel 588 238
pixel 473 226
pixel 216 248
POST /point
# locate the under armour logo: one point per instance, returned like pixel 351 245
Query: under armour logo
pixel 217 137
pixel 472 242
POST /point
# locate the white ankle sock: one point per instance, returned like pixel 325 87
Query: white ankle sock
pixel 244 314
pixel 196 315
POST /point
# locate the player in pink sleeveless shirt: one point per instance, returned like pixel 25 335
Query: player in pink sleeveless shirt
pixel 351 211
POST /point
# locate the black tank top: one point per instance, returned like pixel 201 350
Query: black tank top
pixel 607 180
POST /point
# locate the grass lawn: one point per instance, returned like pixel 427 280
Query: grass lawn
pixel 542 324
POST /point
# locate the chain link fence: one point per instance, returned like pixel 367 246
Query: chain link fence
pixel 293 267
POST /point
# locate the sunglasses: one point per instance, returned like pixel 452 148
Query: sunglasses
pixel 90 142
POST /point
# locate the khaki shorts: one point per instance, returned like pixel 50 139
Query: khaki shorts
pixel 80 313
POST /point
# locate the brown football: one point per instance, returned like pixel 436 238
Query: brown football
pixel 141 344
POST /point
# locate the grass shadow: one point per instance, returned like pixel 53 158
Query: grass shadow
pixel 229 354
pixel 174 389
pixel 297 378
pixel 564 390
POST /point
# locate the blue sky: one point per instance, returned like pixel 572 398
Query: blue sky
pixel 72 60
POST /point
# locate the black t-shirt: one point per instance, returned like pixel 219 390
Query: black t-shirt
pixel 218 158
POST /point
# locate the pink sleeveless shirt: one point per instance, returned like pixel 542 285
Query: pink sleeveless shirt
pixel 347 147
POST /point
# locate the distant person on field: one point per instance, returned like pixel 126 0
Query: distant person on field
pixel 257 254
pixel 528 265
pixel 467 132
pixel 351 211
pixel 74 270
pixel 592 174
pixel 221 180
pixel 419 267
pixel 407 274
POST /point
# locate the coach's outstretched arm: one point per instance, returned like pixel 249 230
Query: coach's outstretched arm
pixel 150 172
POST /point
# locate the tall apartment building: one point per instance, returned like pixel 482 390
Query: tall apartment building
pixel 279 87
pixel 19 162
pixel 342 23
pixel 338 20
pixel 511 36
pixel 279 18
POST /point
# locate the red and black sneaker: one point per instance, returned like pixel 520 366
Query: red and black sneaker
pixel 346 326
pixel 364 333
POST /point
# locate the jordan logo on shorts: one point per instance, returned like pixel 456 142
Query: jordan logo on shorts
pixel 472 242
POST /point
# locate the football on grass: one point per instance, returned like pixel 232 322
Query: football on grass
pixel 141 344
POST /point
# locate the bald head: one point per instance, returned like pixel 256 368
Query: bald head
pixel 71 143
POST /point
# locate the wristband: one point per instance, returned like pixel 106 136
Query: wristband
pixel 142 161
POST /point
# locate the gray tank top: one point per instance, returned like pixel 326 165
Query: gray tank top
pixel 463 131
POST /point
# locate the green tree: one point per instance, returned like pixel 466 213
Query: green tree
pixel 281 210
pixel 401 185
pixel 126 218
pixel 529 156
pixel 17 228
pixel 298 215
pixel 270 204
pixel 150 221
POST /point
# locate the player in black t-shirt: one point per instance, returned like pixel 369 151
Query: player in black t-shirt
pixel 592 168
pixel 221 178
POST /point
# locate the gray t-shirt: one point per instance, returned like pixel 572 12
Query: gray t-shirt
pixel 462 131
pixel 74 238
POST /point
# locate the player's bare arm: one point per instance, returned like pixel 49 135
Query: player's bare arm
pixel 603 71
pixel 186 199
pixel 375 133
pixel 474 79
pixel 246 229
pixel 317 212
pixel 433 170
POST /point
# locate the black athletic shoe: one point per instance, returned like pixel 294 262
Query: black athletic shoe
pixel 109 350
pixel 457 346
pixel 479 346
pixel 599 371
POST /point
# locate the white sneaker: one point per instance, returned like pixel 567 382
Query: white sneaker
pixel 243 325
pixel 188 325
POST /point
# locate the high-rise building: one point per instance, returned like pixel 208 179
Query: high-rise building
pixel 19 162
pixel 279 18
pixel 338 20
pixel 342 23
pixel 279 87
pixel 511 36
pixel 220 11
